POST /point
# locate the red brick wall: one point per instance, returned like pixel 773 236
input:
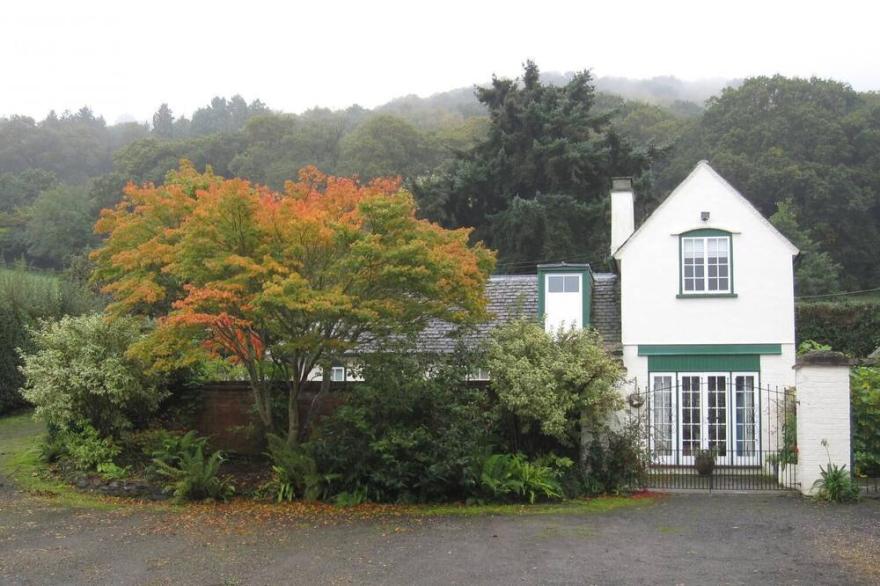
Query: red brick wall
pixel 228 417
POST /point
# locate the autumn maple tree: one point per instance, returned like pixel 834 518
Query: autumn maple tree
pixel 281 282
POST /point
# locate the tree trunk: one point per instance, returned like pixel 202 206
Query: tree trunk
pixel 293 412
pixel 263 402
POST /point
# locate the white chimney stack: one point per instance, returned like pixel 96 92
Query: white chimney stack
pixel 622 211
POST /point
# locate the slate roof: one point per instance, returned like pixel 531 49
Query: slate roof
pixel 513 295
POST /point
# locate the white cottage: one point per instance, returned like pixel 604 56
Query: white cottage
pixel 707 319
pixel 700 309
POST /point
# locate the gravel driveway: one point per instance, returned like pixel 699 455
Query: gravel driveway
pixel 674 539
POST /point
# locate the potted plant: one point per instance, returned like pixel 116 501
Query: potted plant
pixel 704 461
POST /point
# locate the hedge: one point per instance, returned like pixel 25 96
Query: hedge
pixel 852 328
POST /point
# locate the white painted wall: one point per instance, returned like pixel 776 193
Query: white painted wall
pixel 762 312
pixel 823 414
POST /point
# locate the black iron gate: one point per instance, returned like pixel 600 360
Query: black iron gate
pixel 718 432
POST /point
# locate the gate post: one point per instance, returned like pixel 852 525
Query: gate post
pixel 823 414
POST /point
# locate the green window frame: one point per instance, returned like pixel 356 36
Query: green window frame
pixel 713 275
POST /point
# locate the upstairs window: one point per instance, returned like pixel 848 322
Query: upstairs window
pixel 705 265
pixel 563 283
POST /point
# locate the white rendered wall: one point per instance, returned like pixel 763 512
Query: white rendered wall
pixel 762 312
pixel 823 413
pixel 776 370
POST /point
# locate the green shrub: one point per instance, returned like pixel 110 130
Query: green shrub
pixel 350 499
pixel 865 391
pixel 616 461
pixel 295 474
pixel 194 475
pixel 836 485
pixel 513 477
pixel 552 382
pixel 851 328
pixel 78 375
pixel 86 450
pixel 402 436
pixel 111 471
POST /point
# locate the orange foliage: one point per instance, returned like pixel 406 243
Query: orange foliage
pixel 240 269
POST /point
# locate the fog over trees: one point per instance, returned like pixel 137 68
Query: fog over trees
pixel 525 162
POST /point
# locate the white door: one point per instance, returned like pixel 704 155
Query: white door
pixel 704 415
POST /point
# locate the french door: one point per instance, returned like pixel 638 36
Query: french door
pixel 715 411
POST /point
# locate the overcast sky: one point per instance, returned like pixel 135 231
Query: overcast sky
pixel 124 58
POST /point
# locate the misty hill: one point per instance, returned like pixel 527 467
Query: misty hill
pixel 684 98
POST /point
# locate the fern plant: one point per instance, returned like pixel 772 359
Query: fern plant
pixel 512 476
pixel 193 475
pixel 294 473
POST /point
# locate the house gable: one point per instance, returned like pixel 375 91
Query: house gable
pixel 706 268
pixel 696 183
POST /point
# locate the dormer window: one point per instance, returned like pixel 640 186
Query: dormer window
pixel 706 263
pixel 564 296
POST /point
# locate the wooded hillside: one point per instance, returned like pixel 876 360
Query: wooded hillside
pixel 526 162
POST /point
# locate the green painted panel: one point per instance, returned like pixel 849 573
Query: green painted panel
pixel 705 232
pixel 705 363
pixel 707 349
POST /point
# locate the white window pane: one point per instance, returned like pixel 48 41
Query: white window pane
pixel 555 284
pixel 572 284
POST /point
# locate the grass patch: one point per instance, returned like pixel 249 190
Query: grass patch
pixel 20 463
pixel 570 507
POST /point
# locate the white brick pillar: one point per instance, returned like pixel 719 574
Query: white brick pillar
pixel 823 413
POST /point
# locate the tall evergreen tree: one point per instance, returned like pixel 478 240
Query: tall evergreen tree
pixel 542 139
pixel 163 122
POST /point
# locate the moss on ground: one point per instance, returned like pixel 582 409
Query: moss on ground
pixel 20 463
pixel 570 507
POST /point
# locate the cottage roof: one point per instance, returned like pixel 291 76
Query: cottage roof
pixel 510 296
